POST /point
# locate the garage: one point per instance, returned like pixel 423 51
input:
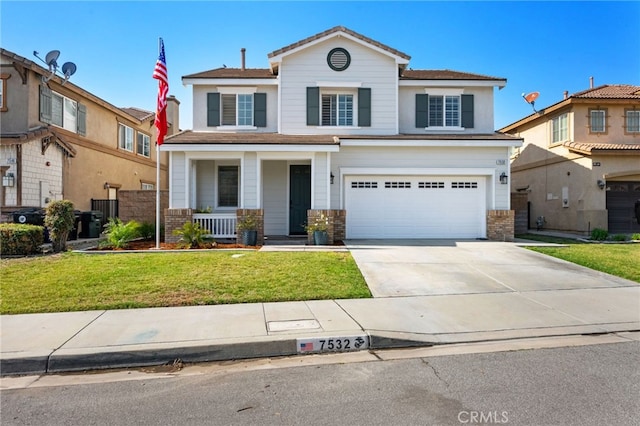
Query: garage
pixel 380 206
pixel 621 200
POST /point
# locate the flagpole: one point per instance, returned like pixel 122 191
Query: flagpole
pixel 157 180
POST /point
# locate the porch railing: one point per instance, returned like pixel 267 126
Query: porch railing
pixel 221 225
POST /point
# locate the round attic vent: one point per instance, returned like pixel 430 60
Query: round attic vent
pixel 338 59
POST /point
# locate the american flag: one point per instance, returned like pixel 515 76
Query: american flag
pixel 305 347
pixel 160 73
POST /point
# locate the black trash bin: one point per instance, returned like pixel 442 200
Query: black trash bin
pixel 32 216
pixel 91 224
pixel 73 234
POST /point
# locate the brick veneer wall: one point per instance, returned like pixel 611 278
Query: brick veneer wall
pixel 259 214
pixel 175 219
pixel 337 223
pixel 519 203
pixel 500 225
pixel 140 205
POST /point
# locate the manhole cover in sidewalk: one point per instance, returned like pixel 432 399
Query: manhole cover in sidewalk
pixel 292 325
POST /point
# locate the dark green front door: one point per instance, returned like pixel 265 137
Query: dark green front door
pixel 299 198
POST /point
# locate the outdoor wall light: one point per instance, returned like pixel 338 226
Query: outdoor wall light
pixel 106 185
pixel 601 184
pixel 331 177
pixel 504 179
pixel 8 180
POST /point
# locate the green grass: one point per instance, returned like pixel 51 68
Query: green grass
pixel 78 282
pixel 622 260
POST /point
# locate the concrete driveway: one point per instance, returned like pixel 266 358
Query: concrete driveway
pixel 401 268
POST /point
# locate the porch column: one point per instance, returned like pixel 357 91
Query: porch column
pixel 175 219
pixel 337 222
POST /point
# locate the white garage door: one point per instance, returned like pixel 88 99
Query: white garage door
pixel 415 206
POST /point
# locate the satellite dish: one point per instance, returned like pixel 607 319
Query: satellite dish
pixel 531 99
pixel 69 69
pixel 51 59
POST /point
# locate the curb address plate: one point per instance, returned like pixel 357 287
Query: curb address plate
pixel 332 344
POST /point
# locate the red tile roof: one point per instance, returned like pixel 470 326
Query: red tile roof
pixel 610 91
pixel 336 30
pixel 588 147
pixel 138 113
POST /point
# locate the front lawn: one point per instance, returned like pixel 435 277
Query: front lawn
pixel 622 260
pixel 78 282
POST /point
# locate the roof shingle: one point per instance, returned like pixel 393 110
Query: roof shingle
pixel 444 75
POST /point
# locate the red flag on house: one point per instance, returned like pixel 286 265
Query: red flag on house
pixel 160 73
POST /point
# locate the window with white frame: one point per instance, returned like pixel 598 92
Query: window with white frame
pixel 632 118
pixel 3 91
pixel 597 119
pixel 64 112
pixel 144 145
pixel 337 109
pixel 444 111
pixel 125 137
pixel 560 128
pixel 147 186
pixel 237 109
pixel 227 186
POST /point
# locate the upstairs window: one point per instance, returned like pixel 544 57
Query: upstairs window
pixel 61 111
pixel 445 111
pixel 144 145
pixel 597 119
pixel 632 118
pixel 3 91
pixel 337 110
pixel 236 109
pixel 125 137
pixel 560 129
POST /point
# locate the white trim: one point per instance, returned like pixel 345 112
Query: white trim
pixel 453 83
pixel 231 90
pixel 229 82
pixel 484 143
pixel 329 84
pixel 449 91
pixel 239 129
pixel 171 190
pixel 210 148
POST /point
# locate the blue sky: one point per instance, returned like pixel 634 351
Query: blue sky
pixel 547 47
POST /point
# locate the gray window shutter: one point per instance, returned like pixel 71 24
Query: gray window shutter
pixel 467 111
pixel 313 106
pixel 213 109
pixel 82 120
pixel 260 109
pixel 422 110
pixel 364 107
pixel 45 104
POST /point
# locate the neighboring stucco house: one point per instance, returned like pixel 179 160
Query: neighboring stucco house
pixel 580 163
pixel 59 141
pixel 339 125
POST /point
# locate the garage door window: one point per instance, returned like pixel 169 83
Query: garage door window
pixel 430 185
pixel 464 185
pixel 397 184
pixel 364 185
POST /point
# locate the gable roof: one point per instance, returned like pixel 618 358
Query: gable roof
pixel 38 133
pixel 336 30
pixel 138 113
pixel 606 92
pixel 234 73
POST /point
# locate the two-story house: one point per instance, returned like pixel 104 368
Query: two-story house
pixel 338 124
pixel 60 141
pixel 580 163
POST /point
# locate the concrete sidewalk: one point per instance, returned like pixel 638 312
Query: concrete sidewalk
pixel 57 342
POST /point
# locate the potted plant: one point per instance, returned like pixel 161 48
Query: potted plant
pixel 248 229
pixel 319 228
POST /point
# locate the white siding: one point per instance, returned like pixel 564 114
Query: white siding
pixel 178 199
pixel 274 197
pixel 483 109
pixel 249 181
pixel 368 68
pixel 455 158
pixel 320 181
pixel 200 107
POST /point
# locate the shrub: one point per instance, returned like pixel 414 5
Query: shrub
pixel 120 234
pixel 619 237
pixel 192 235
pixel 635 237
pixel 599 234
pixel 17 239
pixel 147 230
pixel 59 219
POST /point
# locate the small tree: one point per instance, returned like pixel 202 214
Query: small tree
pixel 60 219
